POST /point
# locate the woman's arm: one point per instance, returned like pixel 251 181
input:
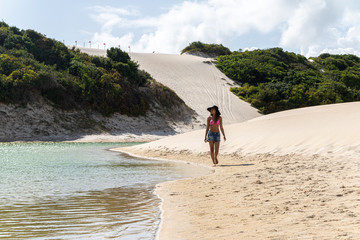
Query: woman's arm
pixel 207 128
pixel 222 129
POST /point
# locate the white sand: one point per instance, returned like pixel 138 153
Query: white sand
pixel 290 175
pixel 198 82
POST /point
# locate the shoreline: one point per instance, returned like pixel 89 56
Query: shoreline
pixel 260 197
pixel 164 190
pixel 158 187
pixel 96 138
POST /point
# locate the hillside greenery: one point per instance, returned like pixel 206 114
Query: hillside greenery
pixel 211 50
pixel 274 80
pixel 33 66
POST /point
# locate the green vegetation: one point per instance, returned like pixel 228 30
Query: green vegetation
pixel 273 80
pixel 33 66
pixel 211 50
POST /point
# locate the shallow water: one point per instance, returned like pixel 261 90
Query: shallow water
pixel 80 191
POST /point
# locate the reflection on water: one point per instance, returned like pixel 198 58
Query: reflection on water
pixel 80 191
pixel 126 213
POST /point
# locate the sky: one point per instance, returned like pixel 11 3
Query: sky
pixel 308 27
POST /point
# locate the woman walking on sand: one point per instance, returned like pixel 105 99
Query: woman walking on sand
pixel 212 133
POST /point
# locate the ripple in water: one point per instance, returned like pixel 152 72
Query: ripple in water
pixel 80 191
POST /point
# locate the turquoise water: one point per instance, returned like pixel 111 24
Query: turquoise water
pixel 80 191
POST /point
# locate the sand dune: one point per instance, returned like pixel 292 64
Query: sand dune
pixel 289 175
pixel 196 80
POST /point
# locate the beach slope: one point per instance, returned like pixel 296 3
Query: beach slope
pixel 288 175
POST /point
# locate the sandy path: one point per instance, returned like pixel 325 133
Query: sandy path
pixel 290 175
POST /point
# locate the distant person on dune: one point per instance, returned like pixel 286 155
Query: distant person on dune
pixel 212 133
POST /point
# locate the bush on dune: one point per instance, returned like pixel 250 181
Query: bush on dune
pixel 274 80
pixel 211 50
pixel 33 66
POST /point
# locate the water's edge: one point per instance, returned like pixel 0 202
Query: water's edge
pixel 161 220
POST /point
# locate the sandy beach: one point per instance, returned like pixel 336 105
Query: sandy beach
pixel 289 175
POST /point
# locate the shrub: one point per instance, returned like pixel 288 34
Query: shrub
pixel 33 66
pixel 117 55
pixel 273 80
pixel 211 50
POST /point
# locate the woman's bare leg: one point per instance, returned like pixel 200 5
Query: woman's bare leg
pixel 212 151
pixel 217 146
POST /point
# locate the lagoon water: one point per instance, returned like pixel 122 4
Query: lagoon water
pixel 80 191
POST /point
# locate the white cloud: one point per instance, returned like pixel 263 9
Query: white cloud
pixel 112 41
pixel 311 26
pixel 110 17
pixel 315 25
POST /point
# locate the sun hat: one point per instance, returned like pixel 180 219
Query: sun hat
pixel 216 108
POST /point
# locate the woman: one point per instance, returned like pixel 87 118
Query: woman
pixel 212 133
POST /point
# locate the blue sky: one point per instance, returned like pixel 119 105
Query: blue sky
pixel 309 27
